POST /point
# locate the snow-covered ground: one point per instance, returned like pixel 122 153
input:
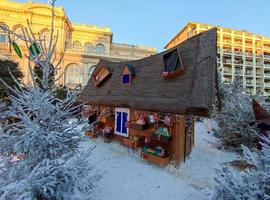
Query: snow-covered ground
pixel 126 177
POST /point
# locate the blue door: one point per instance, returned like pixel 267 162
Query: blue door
pixel 121 120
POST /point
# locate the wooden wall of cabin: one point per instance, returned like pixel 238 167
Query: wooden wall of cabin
pixel 177 147
pixel 182 141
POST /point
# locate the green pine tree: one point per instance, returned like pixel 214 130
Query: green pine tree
pixel 7 67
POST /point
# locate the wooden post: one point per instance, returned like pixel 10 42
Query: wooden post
pixel 178 141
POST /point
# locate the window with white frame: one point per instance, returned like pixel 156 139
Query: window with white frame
pixel 91 69
pixel 100 48
pixel 88 47
pixel 45 38
pixel 76 45
pixel 3 35
pixel 19 31
pixel 73 76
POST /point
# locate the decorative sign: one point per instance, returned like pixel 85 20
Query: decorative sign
pixel 34 49
pixel 17 49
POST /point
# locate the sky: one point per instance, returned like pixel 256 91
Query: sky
pixel 154 22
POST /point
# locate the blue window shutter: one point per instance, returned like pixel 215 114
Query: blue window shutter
pixel 124 122
pixel 118 122
pixel 126 78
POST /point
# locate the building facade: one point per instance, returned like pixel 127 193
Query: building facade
pixel 84 45
pixel 240 54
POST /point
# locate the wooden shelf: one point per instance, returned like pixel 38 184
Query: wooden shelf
pixel 130 143
pixel 155 159
pixel 160 138
pixel 139 127
pixel 141 133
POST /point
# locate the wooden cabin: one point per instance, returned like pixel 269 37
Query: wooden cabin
pixel 150 103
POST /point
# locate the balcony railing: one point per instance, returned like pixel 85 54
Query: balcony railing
pixel 100 54
pixel 227 62
pixel 227 71
pixel 267 57
pixel 238 53
pixel 237 72
pixel 248 54
pixel 267 76
pixel 227 41
pixel 238 62
pixel 249 63
pixel 267 85
pixel 249 73
pixel 238 43
pixel 227 51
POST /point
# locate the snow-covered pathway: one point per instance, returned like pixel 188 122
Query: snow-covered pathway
pixel 126 177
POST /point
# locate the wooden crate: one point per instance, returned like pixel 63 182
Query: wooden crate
pixel 130 143
pixel 138 126
pixel 155 159
pixel 107 119
pixel 161 138
pixel 90 134
pixel 141 133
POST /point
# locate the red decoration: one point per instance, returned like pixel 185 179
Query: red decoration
pixel 164 74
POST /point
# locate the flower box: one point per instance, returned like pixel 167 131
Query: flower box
pixel 155 159
pixel 170 75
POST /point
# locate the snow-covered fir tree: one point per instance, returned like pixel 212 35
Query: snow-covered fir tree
pixel 39 147
pixel 252 183
pixel 235 116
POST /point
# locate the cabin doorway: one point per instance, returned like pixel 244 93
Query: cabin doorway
pixel 121 121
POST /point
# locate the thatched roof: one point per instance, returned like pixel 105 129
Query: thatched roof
pixel 191 93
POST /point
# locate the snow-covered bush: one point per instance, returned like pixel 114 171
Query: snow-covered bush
pixel 252 183
pixel 45 141
pixel 41 158
pixel 234 117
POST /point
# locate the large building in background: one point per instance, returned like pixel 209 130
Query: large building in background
pixel 240 54
pixel 86 44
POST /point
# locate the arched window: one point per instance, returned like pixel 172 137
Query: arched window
pixel 18 29
pixel 77 45
pixel 45 38
pixel 73 76
pixel 3 35
pixel 100 48
pixel 88 47
pixel 91 69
